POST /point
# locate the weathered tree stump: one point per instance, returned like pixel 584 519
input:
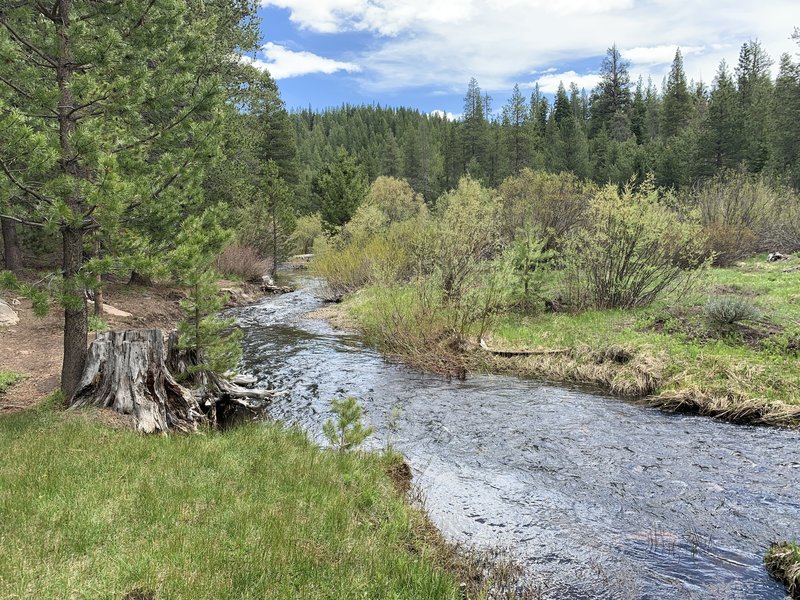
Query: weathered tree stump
pixel 126 372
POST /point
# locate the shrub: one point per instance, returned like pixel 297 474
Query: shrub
pixel 632 250
pixel 549 204
pixel 735 211
pixel 242 262
pixel 347 431
pixel 395 198
pixel 465 233
pixel 307 229
pixel 729 310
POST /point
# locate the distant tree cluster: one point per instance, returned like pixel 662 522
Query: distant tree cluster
pixel 680 131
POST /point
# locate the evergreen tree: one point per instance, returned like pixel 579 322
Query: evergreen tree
pixel 474 129
pixel 611 100
pixel 639 113
pixel 517 131
pixel 136 98
pixel 341 188
pixel 722 140
pixel 756 96
pixel 677 108
pixel 562 109
pixel 786 157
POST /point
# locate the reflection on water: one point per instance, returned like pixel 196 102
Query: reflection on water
pixel 600 498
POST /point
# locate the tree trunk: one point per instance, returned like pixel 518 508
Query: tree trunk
pixel 139 279
pixel 11 253
pixel 76 324
pixel 98 292
pixel 127 372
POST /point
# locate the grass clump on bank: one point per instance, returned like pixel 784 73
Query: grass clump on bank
pixel 256 512
pixel 783 563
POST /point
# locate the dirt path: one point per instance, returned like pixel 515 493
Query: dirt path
pixel 34 347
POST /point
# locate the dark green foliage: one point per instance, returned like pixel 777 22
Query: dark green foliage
pixel 340 189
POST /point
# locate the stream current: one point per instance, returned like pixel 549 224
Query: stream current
pixel 596 496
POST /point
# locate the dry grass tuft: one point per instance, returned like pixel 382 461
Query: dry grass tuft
pixel 783 563
pixel 730 407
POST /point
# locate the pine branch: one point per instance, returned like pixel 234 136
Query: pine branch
pixel 23 221
pixel 22 186
pixel 23 42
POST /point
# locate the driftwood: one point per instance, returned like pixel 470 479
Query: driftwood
pixel 126 372
pixel 132 373
pixel 509 353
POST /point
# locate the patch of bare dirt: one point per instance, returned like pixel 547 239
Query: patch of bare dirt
pixel 34 347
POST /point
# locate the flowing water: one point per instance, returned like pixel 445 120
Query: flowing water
pixel 598 497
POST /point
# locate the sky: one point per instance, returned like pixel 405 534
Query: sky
pixel 422 53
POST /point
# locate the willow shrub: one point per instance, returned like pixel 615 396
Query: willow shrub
pixel 631 250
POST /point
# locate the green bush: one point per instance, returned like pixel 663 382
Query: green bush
pixel 736 211
pixel 729 310
pixel 551 205
pixel 632 250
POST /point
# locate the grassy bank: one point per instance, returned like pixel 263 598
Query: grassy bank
pixel 783 563
pixel 257 512
pixel 669 351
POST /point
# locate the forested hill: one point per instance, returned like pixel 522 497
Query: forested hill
pixel 681 131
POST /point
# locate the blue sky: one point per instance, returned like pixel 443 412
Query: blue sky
pixel 422 53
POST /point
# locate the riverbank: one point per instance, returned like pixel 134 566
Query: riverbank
pixel 666 354
pixel 256 512
pixel 783 563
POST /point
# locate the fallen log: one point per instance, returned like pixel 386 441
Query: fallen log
pixel 509 353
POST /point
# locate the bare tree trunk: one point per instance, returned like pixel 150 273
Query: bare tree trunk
pixel 126 371
pixel 98 292
pixel 76 324
pixel 11 254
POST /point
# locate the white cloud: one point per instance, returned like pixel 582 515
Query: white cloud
pixel 283 63
pixel 444 115
pixel 549 83
pixel 658 55
pixel 442 43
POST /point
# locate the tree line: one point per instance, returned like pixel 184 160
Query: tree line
pixel 681 131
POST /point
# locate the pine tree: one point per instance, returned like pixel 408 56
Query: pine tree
pixel 562 108
pixel 341 188
pixel 611 100
pixel 786 155
pixel 136 97
pixel 516 127
pixel 756 97
pixel 475 128
pixel 723 129
pixel 677 107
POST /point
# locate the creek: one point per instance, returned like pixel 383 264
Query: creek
pixel 598 497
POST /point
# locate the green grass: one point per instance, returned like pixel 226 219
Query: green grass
pixel 672 349
pixel 7 379
pixel 256 512
pixel 757 362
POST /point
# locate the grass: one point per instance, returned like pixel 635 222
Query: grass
pixel 747 372
pixel 783 563
pixel 7 379
pixel 256 512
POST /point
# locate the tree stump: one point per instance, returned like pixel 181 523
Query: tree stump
pixel 126 372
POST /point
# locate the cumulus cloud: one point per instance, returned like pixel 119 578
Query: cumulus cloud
pixel 442 43
pixel 549 83
pixel 444 115
pixel 283 63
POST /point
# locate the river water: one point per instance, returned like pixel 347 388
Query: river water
pixel 599 498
